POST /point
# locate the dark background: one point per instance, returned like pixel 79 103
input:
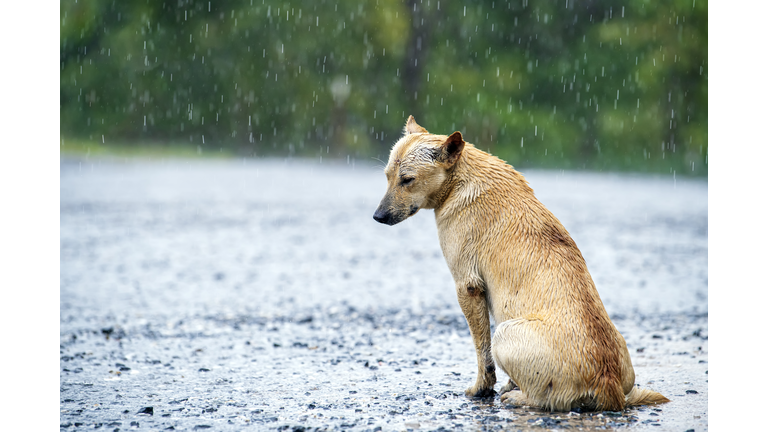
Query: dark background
pixel 600 85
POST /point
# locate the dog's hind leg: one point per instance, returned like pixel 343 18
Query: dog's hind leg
pixel 522 349
pixel 627 371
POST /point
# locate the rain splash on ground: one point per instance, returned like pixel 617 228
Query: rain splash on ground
pixel 261 295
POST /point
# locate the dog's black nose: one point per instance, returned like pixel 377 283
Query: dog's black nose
pixel 382 216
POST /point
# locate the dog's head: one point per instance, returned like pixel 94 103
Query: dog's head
pixel 419 165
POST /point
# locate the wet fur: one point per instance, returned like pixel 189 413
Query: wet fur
pixel 512 260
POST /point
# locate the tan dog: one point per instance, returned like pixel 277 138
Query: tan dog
pixel 510 257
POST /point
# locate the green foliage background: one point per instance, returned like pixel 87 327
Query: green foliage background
pixel 592 84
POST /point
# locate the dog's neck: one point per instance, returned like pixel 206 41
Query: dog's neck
pixel 439 198
pixel 475 173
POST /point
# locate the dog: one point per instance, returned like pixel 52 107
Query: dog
pixel 512 260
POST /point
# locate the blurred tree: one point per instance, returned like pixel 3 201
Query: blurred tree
pixel 592 84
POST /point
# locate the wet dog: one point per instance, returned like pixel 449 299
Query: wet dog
pixel 512 260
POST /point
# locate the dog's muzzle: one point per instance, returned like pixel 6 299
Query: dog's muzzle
pixel 383 216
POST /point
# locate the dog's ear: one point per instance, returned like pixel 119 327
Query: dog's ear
pixel 449 152
pixel 411 127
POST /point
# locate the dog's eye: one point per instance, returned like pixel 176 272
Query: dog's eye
pixel 405 181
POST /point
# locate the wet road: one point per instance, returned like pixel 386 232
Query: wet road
pixel 253 295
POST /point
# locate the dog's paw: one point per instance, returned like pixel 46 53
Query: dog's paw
pixel 508 387
pixel 515 398
pixel 480 393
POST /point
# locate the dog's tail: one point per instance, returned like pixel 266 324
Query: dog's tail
pixel 641 396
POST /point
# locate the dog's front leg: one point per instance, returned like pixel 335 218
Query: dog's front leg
pixel 474 304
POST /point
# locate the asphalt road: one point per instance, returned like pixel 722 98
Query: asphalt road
pixel 253 295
